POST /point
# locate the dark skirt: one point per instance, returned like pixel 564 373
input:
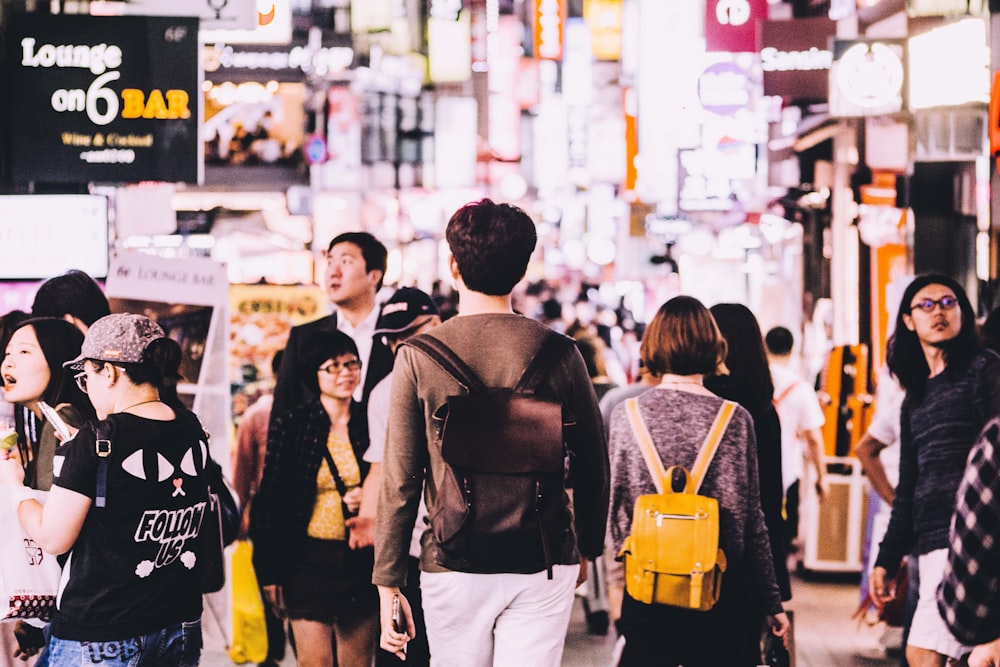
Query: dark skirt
pixel 331 580
pixel 667 636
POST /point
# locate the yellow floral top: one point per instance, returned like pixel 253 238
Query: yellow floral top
pixel 327 522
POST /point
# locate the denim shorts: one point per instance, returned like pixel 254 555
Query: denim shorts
pixel 175 646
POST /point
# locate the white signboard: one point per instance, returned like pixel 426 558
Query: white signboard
pixel 46 235
pixel 136 275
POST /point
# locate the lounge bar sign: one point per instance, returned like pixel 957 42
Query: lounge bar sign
pixel 103 99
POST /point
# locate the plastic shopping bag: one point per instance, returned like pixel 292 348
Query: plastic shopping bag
pixel 249 629
pixel 29 577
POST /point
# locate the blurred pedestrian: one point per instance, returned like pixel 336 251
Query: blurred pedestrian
pixel 73 296
pixel 248 466
pixel 407 313
pixel 801 438
pixel 748 383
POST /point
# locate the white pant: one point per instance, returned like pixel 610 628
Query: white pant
pixel 928 630
pixel 480 620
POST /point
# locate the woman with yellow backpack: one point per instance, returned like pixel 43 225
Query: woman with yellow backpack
pixel 697 547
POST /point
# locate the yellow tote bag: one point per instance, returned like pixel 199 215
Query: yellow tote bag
pixel 249 630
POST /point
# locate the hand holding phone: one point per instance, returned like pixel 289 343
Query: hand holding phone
pixel 398 622
pixel 52 417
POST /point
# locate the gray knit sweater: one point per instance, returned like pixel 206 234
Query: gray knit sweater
pixel 678 423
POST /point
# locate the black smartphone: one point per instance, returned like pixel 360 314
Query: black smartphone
pixel 398 624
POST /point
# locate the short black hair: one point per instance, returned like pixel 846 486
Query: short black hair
pixel 779 341
pixel 72 293
pixel 492 244
pixel 318 348
pixel 375 253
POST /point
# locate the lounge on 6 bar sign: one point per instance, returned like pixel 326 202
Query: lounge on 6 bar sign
pixel 106 99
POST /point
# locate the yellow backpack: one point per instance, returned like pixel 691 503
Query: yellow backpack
pixel 672 554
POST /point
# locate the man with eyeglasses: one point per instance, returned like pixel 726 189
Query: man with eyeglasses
pixel 355 266
pixel 951 386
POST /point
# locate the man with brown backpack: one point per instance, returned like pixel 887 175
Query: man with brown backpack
pixel 489 407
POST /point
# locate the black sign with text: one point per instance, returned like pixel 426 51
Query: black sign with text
pixel 103 99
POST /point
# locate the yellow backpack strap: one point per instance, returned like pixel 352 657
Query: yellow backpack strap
pixel 711 444
pixel 653 462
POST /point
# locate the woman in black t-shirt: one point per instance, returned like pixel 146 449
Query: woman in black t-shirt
pixel 128 510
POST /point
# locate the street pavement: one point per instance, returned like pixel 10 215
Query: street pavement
pixel 825 634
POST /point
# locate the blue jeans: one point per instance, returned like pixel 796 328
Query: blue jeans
pixel 174 646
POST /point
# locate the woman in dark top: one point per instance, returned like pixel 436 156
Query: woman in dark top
pixel 131 588
pixel 749 384
pixel 311 483
pixel 951 393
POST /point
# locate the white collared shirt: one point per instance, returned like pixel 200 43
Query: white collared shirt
pixel 363 336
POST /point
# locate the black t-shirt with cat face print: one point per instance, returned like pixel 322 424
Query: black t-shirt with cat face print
pixel 133 568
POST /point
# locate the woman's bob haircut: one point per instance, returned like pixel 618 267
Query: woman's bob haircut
pixel 683 339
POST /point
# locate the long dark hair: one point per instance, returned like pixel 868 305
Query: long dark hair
pixel 59 341
pixel 749 381
pixel 905 356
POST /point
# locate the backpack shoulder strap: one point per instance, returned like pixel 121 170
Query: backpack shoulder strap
pixel 103 450
pixel 784 394
pixel 450 363
pixel 549 353
pixel 653 462
pixel 711 444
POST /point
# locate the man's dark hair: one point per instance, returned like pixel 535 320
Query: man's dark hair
pixel 904 354
pixel 492 244
pixel 73 293
pixel 779 341
pixel 375 253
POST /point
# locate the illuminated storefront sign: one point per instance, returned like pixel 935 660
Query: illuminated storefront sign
pixel 724 88
pixel 943 7
pixel 796 57
pixel 731 25
pixel 548 28
pixel 281 63
pixel 92 100
pixel 605 20
pixel 867 77
pixel 949 65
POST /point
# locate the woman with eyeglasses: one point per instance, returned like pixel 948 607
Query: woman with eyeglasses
pixel 951 386
pixel 312 479
pixel 126 506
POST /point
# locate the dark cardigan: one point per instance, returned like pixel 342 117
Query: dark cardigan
pixel 282 508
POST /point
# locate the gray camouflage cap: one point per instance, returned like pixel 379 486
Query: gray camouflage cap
pixel 120 338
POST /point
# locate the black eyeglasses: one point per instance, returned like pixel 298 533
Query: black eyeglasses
pixel 335 367
pixel 928 305
pixel 81 381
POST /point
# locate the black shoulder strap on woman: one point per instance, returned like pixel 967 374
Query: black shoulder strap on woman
pixel 103 450
pixel 337 479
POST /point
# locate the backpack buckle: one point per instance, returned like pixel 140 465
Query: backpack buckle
pixel 103 448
